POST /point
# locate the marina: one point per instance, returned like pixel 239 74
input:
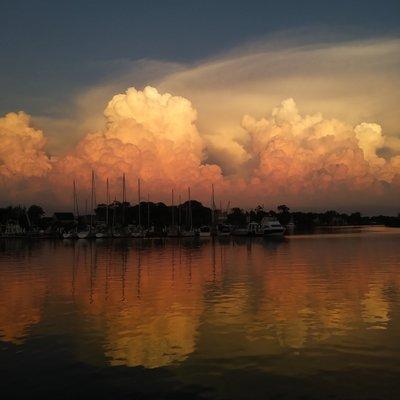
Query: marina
pixel 120 219
pixel 200 200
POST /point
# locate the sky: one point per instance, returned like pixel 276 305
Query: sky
pixel 273 102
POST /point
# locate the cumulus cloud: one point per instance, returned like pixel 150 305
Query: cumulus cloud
pixel 309 159
pixel 283 156
pixel 308 154
pixel 148 135
pixel 352 81
pixel 22 148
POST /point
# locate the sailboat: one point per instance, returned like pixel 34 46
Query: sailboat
pixel 150 229
pixel 83 234
pixel 138 232
pixel 104 230
pixel 205 230
pixel 189 232
pixel 173 230
pixel 121 230
pixel 219 229
pixel 89 232
pixel 72 232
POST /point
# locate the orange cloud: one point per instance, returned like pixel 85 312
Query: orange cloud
pixel 154 136
pixel 147 135
pixel 21 148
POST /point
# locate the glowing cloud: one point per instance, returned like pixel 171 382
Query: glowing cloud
pixel 283 157
pixel 296 155
pixel 147 135
pixel 21 148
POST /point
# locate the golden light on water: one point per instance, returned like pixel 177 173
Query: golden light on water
pixel 154 306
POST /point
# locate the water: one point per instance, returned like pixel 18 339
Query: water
pixel 312 316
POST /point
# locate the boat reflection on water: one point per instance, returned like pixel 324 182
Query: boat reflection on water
pixel 225 304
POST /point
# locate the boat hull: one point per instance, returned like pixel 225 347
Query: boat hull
pixel 188 234
pixel 204 234
pixel 101 235
pixel 138 235
pixel 83 235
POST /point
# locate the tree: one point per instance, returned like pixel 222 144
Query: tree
pixel 283 215
pixel 355 218
pixel 236 217
pixel 284 209
pixel 35 213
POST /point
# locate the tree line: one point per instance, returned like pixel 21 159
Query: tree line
pixel 161 215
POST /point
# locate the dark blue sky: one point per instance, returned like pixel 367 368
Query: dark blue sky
pixel 51 49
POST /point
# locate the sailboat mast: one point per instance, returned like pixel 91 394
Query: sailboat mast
pixel 148 210
pixel 180 212
pixel 76 200
pixel 123 188
pixel 172 212
pixel 190 211
pixel 212 205
pixel 114 217
pixel 73 196
pixel 94 191
pixel 92 202
pixel 139 199
pixel 107 201
pixel 123 199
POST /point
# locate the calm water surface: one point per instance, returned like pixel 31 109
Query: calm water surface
pixel 311 316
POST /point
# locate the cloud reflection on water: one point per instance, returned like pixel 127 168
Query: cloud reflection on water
pixel 155 304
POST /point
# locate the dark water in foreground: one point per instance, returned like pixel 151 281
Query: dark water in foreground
pixel 312 316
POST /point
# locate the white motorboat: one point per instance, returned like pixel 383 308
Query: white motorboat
pixel 270 226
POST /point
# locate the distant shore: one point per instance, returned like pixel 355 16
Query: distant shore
pixel 150 219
